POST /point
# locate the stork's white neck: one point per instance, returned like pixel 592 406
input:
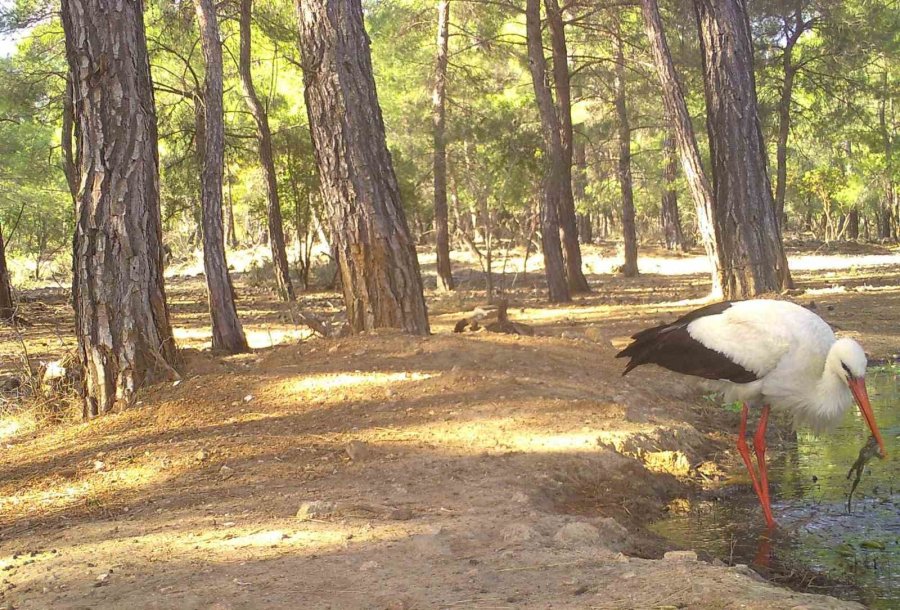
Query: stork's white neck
pixel 831 397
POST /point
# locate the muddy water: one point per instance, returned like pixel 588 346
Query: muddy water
pixel 819 546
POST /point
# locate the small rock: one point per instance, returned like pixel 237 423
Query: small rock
pixel 368 565
pixel 581 590
pixel 668 462
pixel 577 534
pixel 226 472
pixel 201 455
pixel 594 333
pixel 333 349
pixel 8 383
pixel 315 509
pixel 400 514
pixel 518 532
pixel 358 450
pixel 571 335
pixel 98 465
pixel 680 556
pixel 520 497
pixel 248 397
pixel 613 535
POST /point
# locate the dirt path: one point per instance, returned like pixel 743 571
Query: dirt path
pixel 453 471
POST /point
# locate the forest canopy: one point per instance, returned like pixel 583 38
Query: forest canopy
pixel 839 59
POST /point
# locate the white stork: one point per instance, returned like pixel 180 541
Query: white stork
pixel 765 353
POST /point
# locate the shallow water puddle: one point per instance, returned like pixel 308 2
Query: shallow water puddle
pixel 819 546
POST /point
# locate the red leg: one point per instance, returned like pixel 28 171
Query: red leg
pixel 745 455
pixel 759 445
pixel 745 451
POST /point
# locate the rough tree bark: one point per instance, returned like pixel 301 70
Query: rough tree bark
pixel 266 159
pixel 754 259
pixel 676 110
pixel 121 316
pixel 438 118
pixel 227 333
pixel 563 157
pixel 669 217
pixel 551 183
pixel 377 257
pixel 7 306
pixel 629 233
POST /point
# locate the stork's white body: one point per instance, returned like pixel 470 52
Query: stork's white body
pixel 771 354
pixel 787 347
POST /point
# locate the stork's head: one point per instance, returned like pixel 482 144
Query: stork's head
pixel 848 361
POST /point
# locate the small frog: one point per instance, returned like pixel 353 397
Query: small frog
pixel 869 450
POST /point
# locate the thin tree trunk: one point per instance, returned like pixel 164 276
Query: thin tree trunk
pixel 121 317
pixel 228 213
pixel 551 184
pixel 267 160
pixel 853 224
pixel 888 227
pixel 784 115
pixel 755 262
pixel 692 166
pixel 563 110
pixel 439 115
pixel 629 233
pixel 671 220
pixel 227 333
pixel 579 189
pixel 7 306
pixel 377 257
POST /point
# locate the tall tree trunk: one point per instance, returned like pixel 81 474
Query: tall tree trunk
pixel 551 183
pixel 784 113
pixel 377 257
pixel 121 317
pixel 438 117
pixel 227 333
pixel 629 233
pixel 563 111
pixel 888 227
pixel 755 262
pixel 7 306
pixel 692 166
pixel 671 220
pixel 267 160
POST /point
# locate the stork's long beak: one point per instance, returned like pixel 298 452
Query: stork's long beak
pixel 858 387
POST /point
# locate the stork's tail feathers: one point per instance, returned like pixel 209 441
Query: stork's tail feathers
pixel 642 346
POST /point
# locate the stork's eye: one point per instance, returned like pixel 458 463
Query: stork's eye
pixel 847 368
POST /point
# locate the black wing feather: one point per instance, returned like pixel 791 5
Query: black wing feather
pixel 671 346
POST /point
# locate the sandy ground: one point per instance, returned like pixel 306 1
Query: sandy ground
pixel 387 471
